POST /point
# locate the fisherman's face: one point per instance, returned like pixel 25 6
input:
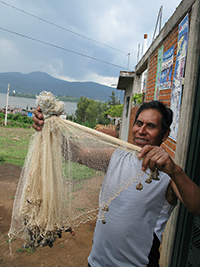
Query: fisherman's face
pixel 147 128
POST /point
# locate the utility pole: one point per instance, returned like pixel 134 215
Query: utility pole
pixel 159 20
pixel 7 104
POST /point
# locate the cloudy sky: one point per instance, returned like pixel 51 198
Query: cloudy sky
pixel 77 40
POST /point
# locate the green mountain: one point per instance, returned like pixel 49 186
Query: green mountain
pixel 35 82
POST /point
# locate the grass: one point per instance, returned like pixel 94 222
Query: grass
pixel 14 144
pixel 28 250
pixel 80 172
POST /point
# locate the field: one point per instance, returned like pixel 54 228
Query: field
pixel 67 251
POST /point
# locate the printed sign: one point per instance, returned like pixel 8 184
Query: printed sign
pixel 166 69
pixel 178 75
pixel 158 73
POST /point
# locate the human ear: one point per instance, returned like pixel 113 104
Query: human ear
pixel 166 135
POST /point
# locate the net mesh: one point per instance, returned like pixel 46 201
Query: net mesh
pixel 62 176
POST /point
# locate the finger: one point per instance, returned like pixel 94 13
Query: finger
pixel 154 158
pixel 39 122
pixel 157 158
pixel 37 112
pixel 145 150
pixel 157 161
pixel 37 127
pixel 148 152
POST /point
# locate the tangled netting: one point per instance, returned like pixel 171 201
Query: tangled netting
pixel 62 176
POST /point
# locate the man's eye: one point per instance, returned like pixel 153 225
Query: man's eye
pixel 151 126
pixel 139 123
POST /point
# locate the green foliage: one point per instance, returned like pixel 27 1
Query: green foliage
pixel 2 160
pixel 115 111
pixel 80 113
pixel 17 117
pixel 113 100
pixel 28 250
pixel 2 115
pixel 17 120
pixel 90 112
pixel 10 116
pixel 14 144
pixel 137 98
pixel 81 172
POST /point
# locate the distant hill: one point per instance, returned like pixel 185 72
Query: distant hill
pixel 35 82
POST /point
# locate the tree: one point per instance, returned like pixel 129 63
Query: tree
pixel 80 113
pixel 90 112
pixel 115 111
pixel 113 100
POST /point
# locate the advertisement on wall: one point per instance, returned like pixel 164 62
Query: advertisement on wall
pixel 178 75
pixel 158 73
pixel 166 69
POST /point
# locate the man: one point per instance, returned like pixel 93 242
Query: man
pixel 136 219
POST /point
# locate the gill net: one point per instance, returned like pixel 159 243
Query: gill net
pixel 62 176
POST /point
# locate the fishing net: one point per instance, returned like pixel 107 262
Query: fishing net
pixel 62 176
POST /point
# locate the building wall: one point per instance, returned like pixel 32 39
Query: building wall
pixel 126 113
pixel 164 95
pixel 178 150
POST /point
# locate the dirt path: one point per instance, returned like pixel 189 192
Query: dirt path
pixel 69 251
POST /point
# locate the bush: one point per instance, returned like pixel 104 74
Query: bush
pixel 17 117
pixel 26 119
pixel 10 116
pixel 2 160
pixel 2 115
pixel 17 120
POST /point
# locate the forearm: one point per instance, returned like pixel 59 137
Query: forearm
pixel 186 190
pixel 97 159
pixel 93 158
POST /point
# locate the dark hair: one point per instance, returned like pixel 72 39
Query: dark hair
pixel 166 113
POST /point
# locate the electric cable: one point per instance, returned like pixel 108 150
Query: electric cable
pixel 63 28
pixel 61 48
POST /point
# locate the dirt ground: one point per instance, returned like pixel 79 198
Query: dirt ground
pixel 68 251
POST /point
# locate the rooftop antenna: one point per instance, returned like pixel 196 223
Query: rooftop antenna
pixel 144 51
pixel 159 19
pixel 128 61
pixel 138 55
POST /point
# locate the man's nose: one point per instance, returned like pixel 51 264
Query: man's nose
pixel 142 129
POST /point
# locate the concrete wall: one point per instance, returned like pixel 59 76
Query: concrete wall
pixel 126 115
pixel 191 70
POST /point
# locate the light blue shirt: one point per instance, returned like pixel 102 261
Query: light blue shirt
pixel 126 237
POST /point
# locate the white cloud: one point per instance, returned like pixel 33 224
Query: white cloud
pixel 106 80
pixel 93 77
pixel 118 24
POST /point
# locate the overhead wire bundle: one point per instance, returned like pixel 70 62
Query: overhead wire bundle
pixel 62 176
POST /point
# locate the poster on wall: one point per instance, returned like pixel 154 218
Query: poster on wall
pixel 166 69
pixel 178 75
pixel 158 73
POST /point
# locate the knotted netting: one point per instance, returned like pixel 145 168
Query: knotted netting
pixel 62 176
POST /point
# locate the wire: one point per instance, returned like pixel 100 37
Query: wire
pixel 63 28
pixel 62 48
pixel 31 91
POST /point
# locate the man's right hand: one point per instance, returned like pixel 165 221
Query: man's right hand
pixel 38 119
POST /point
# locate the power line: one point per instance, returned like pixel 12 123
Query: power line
pixel 61 48
pixel 63 28
pixel 30 90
